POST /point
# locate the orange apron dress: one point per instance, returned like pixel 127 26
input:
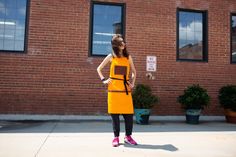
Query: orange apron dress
pixel 119 93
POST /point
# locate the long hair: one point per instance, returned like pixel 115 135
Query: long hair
pixel 115 43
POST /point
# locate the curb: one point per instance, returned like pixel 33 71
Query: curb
pixel 97 117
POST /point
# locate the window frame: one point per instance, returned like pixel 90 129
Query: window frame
pixel 123 8
pixel 231 40
pixel 26 32
pixel 204 35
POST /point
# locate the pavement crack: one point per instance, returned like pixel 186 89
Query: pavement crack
pixel 53 128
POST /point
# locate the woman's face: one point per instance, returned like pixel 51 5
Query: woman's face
pixel 122 44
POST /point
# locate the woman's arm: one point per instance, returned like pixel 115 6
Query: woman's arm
pixel 133 70
pixel 101 66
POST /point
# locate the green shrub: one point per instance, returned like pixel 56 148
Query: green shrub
pixel 194 97
pixel 143 97
pixel 227 97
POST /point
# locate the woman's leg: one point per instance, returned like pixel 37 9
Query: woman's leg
pixel 128 129
pixel 128 124
pixel 116 124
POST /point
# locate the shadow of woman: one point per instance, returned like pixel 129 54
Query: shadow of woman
pixel 168 147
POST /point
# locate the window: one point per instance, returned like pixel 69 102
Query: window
pixel 233 38
pixel 106 19
pixel 12 25
pixel 191 35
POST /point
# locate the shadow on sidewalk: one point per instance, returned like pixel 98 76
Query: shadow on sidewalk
pixel 167 147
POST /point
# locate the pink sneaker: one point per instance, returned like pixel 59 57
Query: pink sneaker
pixel 115 142
pixel 129 140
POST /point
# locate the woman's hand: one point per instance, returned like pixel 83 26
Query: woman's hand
pixel 108 81
pixel 131 85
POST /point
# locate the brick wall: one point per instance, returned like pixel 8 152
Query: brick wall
pixel 56 75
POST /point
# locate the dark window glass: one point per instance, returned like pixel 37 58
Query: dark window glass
pixel 233 39
pixel 107 21
pixel 191 42
pixel 12 24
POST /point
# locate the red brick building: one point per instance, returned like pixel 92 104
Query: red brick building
pixel 48 63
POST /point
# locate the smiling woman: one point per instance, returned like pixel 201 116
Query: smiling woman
pixel 119 88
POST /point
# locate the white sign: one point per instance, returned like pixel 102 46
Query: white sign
pixel 151 63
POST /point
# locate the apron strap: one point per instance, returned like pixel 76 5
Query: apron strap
pixel 125 83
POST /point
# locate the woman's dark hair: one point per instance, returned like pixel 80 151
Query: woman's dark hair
pixel 115 43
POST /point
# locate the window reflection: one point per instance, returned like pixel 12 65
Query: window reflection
pixel 12 24
pixel 234 39
pixel 190 35
pixel 107 20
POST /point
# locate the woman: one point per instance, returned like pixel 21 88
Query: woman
pixel 119 88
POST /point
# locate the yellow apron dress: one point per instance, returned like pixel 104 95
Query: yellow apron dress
pixel 119 93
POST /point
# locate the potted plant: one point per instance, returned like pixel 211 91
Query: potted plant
pixel 143 101
pixel 227 98
pixel 194 99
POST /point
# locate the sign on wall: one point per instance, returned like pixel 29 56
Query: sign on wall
pixel 151 63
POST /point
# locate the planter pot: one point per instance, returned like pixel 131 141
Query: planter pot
pixel 192 116
pixel 230 116
pixel 142 116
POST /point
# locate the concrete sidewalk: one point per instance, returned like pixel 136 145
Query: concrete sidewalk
pixel 83 138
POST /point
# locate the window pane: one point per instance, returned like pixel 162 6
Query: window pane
pixel 8 45
pixel 190 35
pixel 191 51
pixel 1 43
pixel 234 39
pixel 19 45
pixel 198 36
pixel 9 34
pixel 2 3
pixel 198 22
pixel 234 21
pixel 20 34
pixel 106 22
pixel 1 34
pixel 2 22
pixel 10 13
pixel 185 19
pixel 21 13
pixel 20 24
pixel 12 24
pixel 182 43
pixel 2 12
pixel 21 3
pixel 10 3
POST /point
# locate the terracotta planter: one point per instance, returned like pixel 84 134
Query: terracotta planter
pixel 230 116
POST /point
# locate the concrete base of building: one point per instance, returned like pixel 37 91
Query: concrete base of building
pixel 98 117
